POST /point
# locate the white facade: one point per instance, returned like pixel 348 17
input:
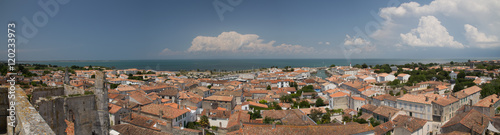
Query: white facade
pixel 218 122
pixel 386 78
pixel 404 78
pixel 417 110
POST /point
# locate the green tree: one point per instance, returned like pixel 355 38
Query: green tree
pixel 364 65
pixel 315 115
pixel 461 74
pixel 209 86
pixel 325 119
pixel 204 121
pixel 304 104
pixel 263 101
pixel 255 114
pixel 320 102
pixel 268 87
pixel 333 65
pixel 268 120
pixel 113 86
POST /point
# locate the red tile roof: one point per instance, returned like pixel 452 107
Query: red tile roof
pixel 168 112
pixel 220 98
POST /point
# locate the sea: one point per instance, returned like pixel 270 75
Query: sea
pixel 235 64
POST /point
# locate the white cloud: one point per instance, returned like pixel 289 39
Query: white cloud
pixel 326 43
pixel 430 33
pixel 480 39
pixel 167 51
pixel 483 14
pixel 233 42
pixel 355 41
pixel 356 45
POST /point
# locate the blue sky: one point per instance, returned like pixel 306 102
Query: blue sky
pixel 192 29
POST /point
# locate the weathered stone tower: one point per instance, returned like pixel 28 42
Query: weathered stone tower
pixel 101 99
pixel 66 76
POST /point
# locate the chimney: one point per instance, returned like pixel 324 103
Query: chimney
pixel 161 114
pixel 426 99
pixel 274 125
pixel 435 98
pixel 139 109
pixel 482 120
pixel 130 116
pixel 241 124
pixel 491 100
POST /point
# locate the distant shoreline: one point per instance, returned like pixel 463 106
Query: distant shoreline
pixel 235 64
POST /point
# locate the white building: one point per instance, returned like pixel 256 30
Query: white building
pixel 403 77
pixel 385 77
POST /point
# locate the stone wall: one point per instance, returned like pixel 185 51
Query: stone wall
pixel 52 111
pixel 4 104
pixel 45 92
pixel 79 110
pixel 28 121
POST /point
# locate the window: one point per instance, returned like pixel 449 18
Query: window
pixel 411 106
pixel 422 108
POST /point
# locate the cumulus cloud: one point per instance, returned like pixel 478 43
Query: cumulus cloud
pixel 480 39
pixel 483 14
pixel 355 41
pixel 327 43
pixel 236 43
pixel 356 45
pixel 430 33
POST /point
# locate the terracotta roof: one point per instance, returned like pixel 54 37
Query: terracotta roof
pixel 468 91
pixel 141 97
pixel 143 121
pixel 259 129
pixel 384 127
pixel 444 101
pixel 168 112
pixel 369 107
pixel 288 117
pixel 411 124
pixel 168 92
pixel 128 129
pixel 456 133
pixel 254 104
pixel 415 98
pixel 339 94
pixel 70 129
pixel 358 98
pixel 487 101
pixel 470 119
pixel 386 111
pixel 307 111
pixel 220 98
pixel 221 114
pixel 365 116
pixel 385 96
pixel 237 117
pixel 114 108
pixel 402 75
